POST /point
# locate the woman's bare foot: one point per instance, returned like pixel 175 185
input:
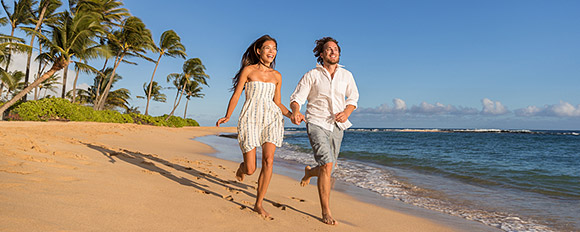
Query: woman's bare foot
pixel 260 210
pixel 240 173
pixel 306 179
pixel 327 219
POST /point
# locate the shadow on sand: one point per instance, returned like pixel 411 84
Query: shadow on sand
pixel 148 162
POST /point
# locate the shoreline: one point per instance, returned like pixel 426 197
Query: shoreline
pixel 224 143
pixel 117 177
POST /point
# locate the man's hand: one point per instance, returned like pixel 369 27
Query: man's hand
pixel 297 118
pixel 221 121
pixel 341 117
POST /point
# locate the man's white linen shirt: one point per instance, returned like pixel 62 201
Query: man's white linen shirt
pixel 326 96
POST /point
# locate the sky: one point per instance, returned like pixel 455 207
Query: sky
pixel 417 64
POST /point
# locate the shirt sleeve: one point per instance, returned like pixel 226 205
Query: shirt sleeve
pixel 352 93
pixel 302 90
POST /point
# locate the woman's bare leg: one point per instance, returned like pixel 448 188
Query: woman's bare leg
pixel 268 150
pixel 248 167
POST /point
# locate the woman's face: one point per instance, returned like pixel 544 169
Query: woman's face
pixel 268 52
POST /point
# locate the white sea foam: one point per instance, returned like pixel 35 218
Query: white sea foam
pixel 383 181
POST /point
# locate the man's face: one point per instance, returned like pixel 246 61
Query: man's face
pixel 330 53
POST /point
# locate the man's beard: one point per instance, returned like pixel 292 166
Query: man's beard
pixel 332 62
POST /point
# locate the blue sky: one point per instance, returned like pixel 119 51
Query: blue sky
pixel 426 64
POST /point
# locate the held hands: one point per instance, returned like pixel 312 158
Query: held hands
pixel 221 121
pixel 297 118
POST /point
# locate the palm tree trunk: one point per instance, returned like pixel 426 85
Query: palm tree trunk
pixel 98 85
pixel 40 18
pixel 151 84
pixel 74 96
pixel 101 102
pixel 39 71
pixel 9 50
pixel 59 64
pixel 175 106
pixel 64 77
pixel 185 111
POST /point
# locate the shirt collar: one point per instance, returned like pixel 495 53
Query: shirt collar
pixel 320 66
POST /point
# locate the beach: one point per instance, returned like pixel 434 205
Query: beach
pixel 81 176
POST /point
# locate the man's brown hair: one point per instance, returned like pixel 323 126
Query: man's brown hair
pixel 320 48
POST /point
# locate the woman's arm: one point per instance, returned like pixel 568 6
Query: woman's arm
pixel 277 96
pixel 235 97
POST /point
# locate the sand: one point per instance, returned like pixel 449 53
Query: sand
pixel 84 176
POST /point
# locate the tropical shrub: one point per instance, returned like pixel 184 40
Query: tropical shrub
pixel 61 109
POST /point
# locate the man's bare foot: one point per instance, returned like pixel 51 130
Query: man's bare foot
pixel 306 179
pixel 260 210
pixel 239 173
pixel 327 219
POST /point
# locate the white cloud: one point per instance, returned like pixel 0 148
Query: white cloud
pixel 562 109
pixel 439 108
pixel 493 108
pixel 400 107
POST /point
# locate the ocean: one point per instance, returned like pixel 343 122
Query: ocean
pixel 514 180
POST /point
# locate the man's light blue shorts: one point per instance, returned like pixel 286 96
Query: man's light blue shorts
pixel 325 143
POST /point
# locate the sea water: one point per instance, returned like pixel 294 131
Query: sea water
pixel 515 180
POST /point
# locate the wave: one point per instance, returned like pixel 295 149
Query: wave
pixel 476 130
pixel 383 181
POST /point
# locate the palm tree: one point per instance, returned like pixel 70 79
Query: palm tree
pixel 45 7
pixel 193 71
pixel 110 15
pixel 66 37
pixel 7 44
pixel 118 98
pixel 13 80
pixel 169 45
pixel 179 81
pixel 82 66
pixel 192 90
pixel 43 60
pixel 20 15
pixel 48 84
pixel 132 39
pixel 153 91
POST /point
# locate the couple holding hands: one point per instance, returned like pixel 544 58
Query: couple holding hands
pixel 332 96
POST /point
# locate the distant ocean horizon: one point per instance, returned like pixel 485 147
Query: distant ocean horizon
pixel 515 180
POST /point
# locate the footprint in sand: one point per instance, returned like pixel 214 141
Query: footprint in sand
pixel 202 191
pixel 229 198
pixel 231 190
pixel 246 202
pixel 298 199
pixel 278 205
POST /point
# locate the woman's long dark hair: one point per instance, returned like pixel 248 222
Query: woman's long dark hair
pixel 251 57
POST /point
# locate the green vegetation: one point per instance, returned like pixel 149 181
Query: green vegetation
pixel 85 33
pixel 63 110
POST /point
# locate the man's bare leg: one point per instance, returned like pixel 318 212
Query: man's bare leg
pixel 309 173
pixel 248 167
pixel 324 186
pixel 268 150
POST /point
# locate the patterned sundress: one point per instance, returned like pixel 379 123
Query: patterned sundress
pixel 261 119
